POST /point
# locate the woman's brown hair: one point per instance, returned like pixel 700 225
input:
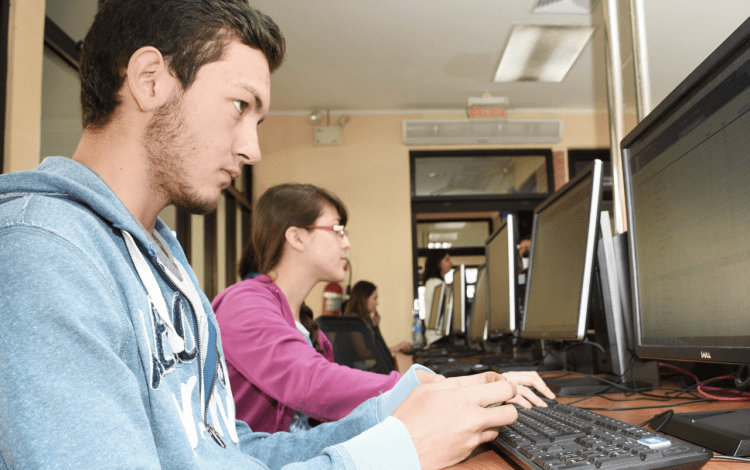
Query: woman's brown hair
pixel 357 303
pixel 284 206
pixel 306 318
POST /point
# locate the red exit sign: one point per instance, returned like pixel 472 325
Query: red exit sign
pixel 486 112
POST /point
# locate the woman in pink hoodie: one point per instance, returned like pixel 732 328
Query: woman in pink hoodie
pixel 277 365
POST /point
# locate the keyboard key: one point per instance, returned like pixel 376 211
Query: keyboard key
pixel 542 460
pixel 569 436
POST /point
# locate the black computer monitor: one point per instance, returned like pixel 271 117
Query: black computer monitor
pixel 456 319
pixel 501 250
pixel 687 185
pixel 477 333
pixel 612 324
pixel 564 237
pixel 611 317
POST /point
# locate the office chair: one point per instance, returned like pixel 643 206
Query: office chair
pixel 354 345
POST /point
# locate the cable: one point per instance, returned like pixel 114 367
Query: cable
pixel 349 265
pixel 699 400
pixel 667 417
pixel 729 457
pixel 621 387
pixel 702 388
pixel 590 343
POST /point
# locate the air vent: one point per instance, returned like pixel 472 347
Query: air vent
pixel 462 132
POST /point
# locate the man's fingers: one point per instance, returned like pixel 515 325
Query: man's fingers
pixel 426 377
pixel 478 379
pixel 489 435
pixel 527 398
pixel 498 416
pixel 490 393
pixel 530 379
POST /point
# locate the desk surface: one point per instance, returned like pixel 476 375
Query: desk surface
pixel 485 457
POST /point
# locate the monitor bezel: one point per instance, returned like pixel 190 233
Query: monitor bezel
pixel 481 278
pixel 435 324
pixel 725 54
pixel 512 246
pixel 459 272
pixel 593 170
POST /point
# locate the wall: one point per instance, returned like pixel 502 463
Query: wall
pixel 23 113
pixel 369 171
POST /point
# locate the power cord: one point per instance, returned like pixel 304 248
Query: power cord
pixel 588 343
pixel 729 457
pixel 667 415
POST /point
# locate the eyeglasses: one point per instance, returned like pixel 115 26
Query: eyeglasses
pixel 339 229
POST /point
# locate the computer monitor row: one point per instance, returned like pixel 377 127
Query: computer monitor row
pixel 682 294
pixel 564 234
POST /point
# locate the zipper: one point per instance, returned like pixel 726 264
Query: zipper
pixel 210 428
pixel 201 359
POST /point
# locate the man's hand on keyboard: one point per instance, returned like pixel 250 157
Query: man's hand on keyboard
pixel 448 418
pixel 526 397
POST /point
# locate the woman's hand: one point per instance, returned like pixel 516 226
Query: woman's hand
pixel 375 317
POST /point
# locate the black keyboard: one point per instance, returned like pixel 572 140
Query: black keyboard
pixel 567 437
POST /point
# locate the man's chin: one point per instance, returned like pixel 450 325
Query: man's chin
pixel 197 206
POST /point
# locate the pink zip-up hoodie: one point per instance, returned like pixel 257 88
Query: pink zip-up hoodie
pixel 274 372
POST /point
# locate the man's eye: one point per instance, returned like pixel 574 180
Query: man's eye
pixel 240 105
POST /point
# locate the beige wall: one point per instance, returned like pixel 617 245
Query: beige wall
pixel 24 86
pixel 370 172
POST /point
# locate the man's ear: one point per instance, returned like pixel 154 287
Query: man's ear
pixel 148 79
pixel 295 237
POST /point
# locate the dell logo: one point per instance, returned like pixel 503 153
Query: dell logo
pixel 705 355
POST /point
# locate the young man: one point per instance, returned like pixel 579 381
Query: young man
pixel 111 356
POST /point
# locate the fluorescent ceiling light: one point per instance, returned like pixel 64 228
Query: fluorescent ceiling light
pixel 537 53
pixel 450 225
pixel 443 236
pixel 580 7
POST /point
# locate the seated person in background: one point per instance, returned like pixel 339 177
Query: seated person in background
pixel 363 302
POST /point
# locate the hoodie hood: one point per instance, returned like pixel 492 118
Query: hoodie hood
pixel 63 178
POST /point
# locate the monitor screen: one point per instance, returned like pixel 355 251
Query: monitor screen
pixel 502 275
pixel 687 182
pixel 436 309
pixel 456 320
pixel 478 318
pixel 563 241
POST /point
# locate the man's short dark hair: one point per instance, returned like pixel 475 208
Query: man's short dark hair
pixel 188 33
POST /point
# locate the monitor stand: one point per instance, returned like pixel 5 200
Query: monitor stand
pixel 587 386
pixel 643 375
pixel 723 431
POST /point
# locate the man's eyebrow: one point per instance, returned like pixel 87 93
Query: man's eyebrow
pixel 254 92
